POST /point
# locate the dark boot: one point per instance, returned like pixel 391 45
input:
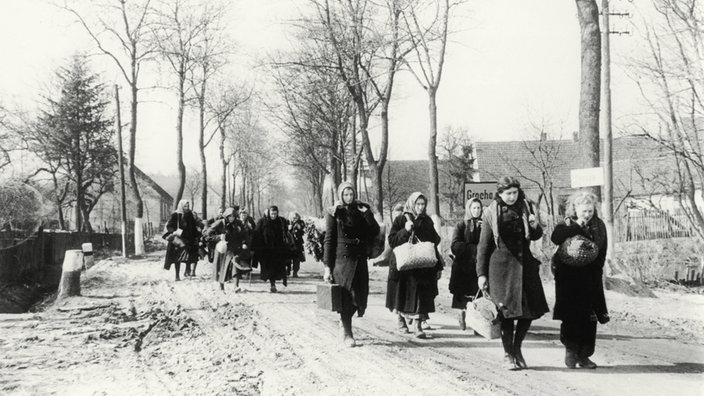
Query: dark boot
pixel 461 320
pixel 509 362
pixel 570 358
pixel 193 270
pixel 521 331
pixel 177 267
pixel 347 336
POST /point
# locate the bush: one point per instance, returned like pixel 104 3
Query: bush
pixel 658 260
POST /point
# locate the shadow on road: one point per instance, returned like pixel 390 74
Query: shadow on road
pixel 675 368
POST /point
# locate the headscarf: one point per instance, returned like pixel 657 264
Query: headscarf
pixel 341 189
pixel 181 203
pixel 410 206
pixel 228 212
pixel 468 205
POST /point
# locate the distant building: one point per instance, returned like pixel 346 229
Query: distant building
pixel 158 206
pixel 642 173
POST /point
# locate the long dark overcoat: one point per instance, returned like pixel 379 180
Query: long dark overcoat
pixel 298 230
pixel 235 236
pixel 190 235
pixel 412 291
pixel 347 237
pixel 463 276
pixel 504 257
pixel 270 248
pixel 579 291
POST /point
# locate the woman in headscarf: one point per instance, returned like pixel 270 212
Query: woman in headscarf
pixel 231 230
pixel 349 228
pixel 182 234
pixel 463 277
pixel 506 268
pixel 411 293
pixel 270 247
pixel 579 291
pixel 298 229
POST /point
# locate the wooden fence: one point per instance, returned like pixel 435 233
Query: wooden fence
pixel 38 259
pixel 646 224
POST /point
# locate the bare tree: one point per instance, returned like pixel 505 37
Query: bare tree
pixel 457 152
pixel 180 25
pixel 671 79
pixel 590 88
pixel 122 33
pixel 222 106
pixel 429 45
pixel 365 39
pixel 209 55
pixel 193 185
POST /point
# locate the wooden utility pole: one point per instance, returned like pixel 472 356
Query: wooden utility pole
pixel 608 192
pixel 123 205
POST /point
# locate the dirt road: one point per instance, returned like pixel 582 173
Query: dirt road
pixel 135 331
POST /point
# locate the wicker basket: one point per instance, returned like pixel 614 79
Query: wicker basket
pixel 577 251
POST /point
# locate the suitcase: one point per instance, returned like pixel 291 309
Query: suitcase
pixel 329 297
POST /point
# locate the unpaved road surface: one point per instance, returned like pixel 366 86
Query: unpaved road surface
pixel 137 332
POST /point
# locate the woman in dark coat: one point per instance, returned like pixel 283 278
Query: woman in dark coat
pixel 298 229
pixel 463 277
pixel 506 268
pixel 579 291
pixel 270 248
pixel 231 230
pixel 183 226
pixel 349 228
pixel 411 293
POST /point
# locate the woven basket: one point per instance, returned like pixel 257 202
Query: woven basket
pixel 577 251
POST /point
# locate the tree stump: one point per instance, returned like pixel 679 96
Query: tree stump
pixel 70 284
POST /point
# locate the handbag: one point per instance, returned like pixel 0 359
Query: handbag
pixel 482 317
pixel 415 254
pixel 173 236
pixel 329 297
pixel 577 251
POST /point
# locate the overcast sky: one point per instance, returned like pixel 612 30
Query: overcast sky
pixel 510 63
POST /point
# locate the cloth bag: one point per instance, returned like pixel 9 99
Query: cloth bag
pixel 577 251
pixel 415 254
pixel 482 317
pixel 329 297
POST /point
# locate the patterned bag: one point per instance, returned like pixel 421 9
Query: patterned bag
pixel 577 251
pixel 415 254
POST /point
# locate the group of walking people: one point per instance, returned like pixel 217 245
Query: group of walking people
pixel 234 244
pixel 491 256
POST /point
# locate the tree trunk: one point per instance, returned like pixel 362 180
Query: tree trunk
pixel 138 240
pixel 223 179
pixel 434 193
pixel 203 160
pixel 179 139
pixel 590 88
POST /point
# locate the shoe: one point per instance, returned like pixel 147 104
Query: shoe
pixel 238 289
pixel 349 341
pixel 272 289
pixel 519 360
pixel 401 326
pixel 509 362
pixel 295 274
pixel 586 363
pixel 570 359
pixel 177 279
pixel 285 282
pixel 463 324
